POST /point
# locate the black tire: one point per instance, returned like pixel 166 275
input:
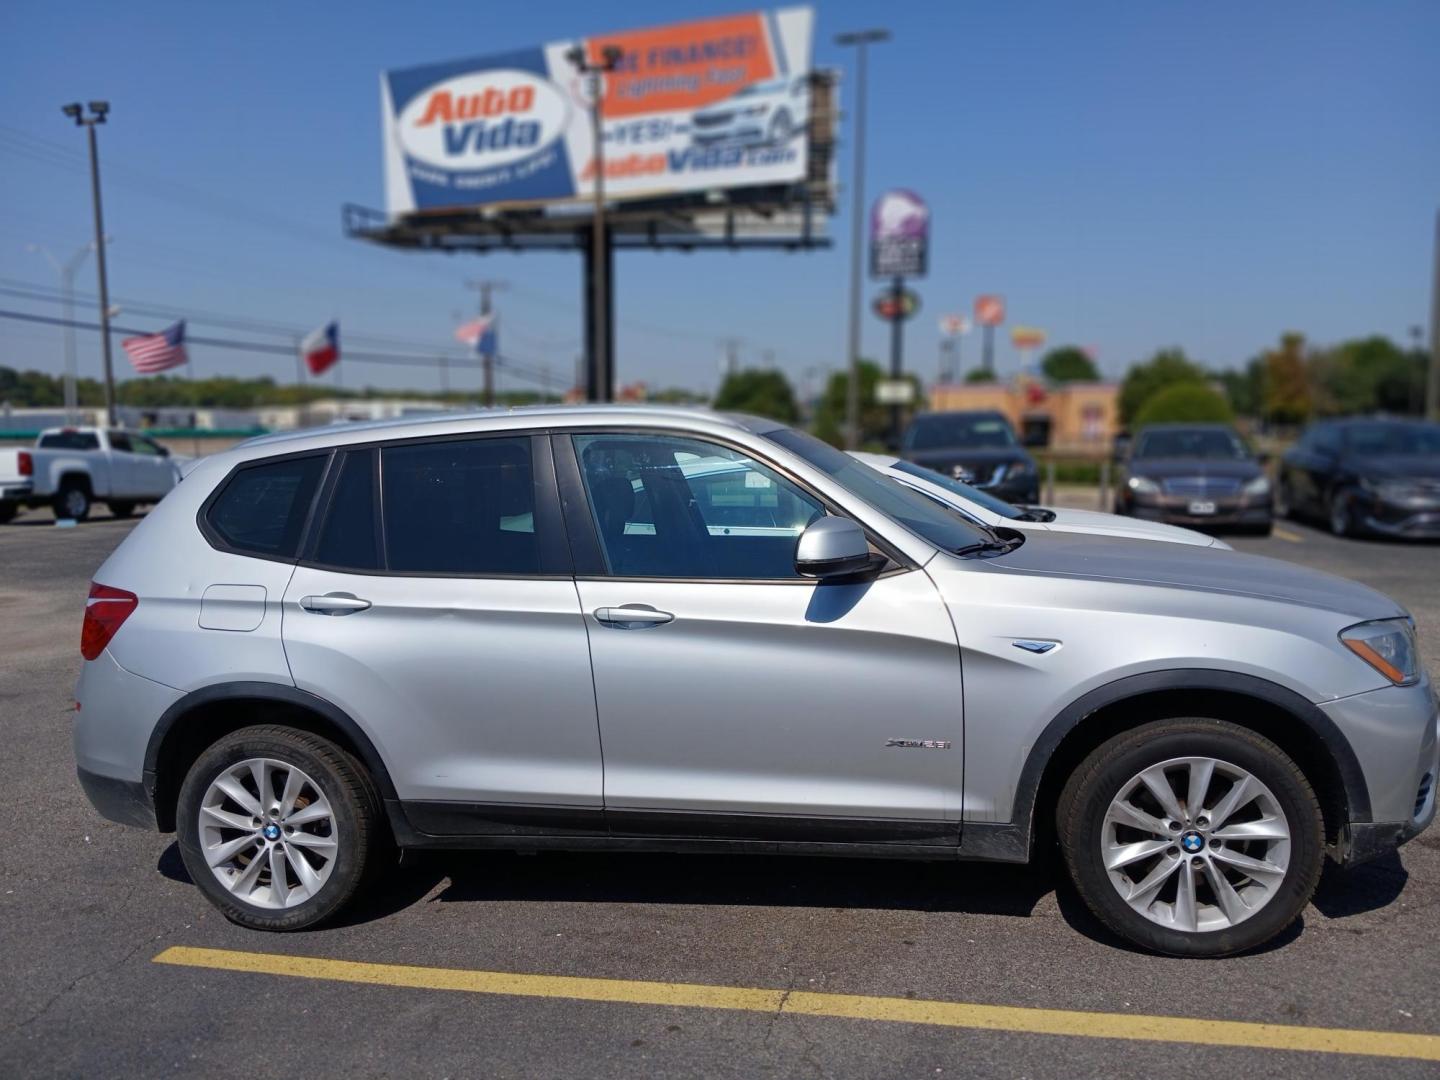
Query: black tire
pixel 1341 515
pixel 71 501
pixel 1284 506
pixel 364 839
pixel 8 510
pixel 1087 796
pixel 121 509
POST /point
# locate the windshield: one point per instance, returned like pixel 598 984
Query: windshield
pixel 1393 439
pixel 965 491
pixel 944 430
pixel 1210 443
pixel 945 528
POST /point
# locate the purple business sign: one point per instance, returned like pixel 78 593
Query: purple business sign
pixel 899 235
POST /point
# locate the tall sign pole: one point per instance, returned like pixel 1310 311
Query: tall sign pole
pixel 1432 384
pixel 861 39
pixel 989 313
pixel 602 377
pixel 899 248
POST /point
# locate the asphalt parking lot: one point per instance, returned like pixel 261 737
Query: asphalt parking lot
pixel 638 965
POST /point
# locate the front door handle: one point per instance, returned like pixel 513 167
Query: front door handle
pixel 333 604
pixel 632 617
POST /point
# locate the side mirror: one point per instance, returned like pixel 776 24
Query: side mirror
pixel 164 450
pixel 832 547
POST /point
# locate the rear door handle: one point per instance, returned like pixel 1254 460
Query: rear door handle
pixel 632 617
pixel 333 604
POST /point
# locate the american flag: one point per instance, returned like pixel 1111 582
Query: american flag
pixel 157 352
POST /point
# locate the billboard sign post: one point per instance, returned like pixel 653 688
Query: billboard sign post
pixel 1026 340
pixel 989 313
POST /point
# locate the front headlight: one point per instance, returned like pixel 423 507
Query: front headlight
pixel 1020 469
pixel 1259 486
pixel 1142 485
pixel 1388 646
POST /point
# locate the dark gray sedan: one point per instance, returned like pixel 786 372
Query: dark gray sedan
pixel 1198 475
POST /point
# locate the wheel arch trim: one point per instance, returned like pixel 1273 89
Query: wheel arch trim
pixel 1311 716
pixel 278 693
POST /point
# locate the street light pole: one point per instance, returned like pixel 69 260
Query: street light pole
pixel 98 111
pixel 67 271
pixel 601 361
pixel 861 39
pixel 1432 384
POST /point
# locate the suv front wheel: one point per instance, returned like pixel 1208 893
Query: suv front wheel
pixel 279 828
pixel 1191 837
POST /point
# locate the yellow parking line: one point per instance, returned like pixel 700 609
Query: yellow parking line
pixel 1286 534
pixel 1093 1025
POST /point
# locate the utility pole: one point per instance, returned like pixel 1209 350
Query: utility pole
pixel 731 345
pixel 602 371
pixel 1432 384
pixel 487 357
pixel 861 39
pixel 67 271
pixel 98 111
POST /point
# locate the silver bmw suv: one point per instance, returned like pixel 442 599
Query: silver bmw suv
pixel 637 628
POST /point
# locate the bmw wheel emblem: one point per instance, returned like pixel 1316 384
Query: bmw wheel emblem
pixel 271 832
pixel 1193 843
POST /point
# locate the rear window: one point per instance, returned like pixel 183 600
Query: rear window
pixel 69 440
pixel 460 506
pixel 262 508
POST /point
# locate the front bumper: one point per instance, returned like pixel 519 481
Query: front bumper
pixel 1395 734
pixel 1232 512
pixel 1417 519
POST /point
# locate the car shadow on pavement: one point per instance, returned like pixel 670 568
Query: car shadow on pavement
pixel 1368 887
pixel 726 880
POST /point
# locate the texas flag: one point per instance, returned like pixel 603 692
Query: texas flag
pixel 321 348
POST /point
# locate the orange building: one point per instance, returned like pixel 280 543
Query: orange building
pixel 1078 417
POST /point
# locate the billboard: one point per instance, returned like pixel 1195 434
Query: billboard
pixel 899 235
pixel 989 310
pixel 690 107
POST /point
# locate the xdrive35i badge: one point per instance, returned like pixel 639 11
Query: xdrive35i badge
pixel 920 744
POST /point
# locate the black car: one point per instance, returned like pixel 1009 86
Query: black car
pixel 978 448
pixel 1366 476
pixel 1195 474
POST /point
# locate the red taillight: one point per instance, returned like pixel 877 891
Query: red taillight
pixel 105 611
pixel 27 463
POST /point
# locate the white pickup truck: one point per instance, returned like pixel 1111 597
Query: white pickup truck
pixel 69 469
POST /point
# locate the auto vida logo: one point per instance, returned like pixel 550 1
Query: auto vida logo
pixel 484 120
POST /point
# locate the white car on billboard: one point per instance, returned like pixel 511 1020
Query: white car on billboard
pixel 996 513
pixel 763 114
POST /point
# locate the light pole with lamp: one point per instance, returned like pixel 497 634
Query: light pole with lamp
pixel 98 111
pixel 861 39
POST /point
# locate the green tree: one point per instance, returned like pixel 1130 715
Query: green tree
pixel 1368 375
pixel 1287 382
pixel 1186 403
pixel 874 419
pixel 1167 368
pixel 1069 363
pixel 759 392
pixel 1245 389
pixel 979 375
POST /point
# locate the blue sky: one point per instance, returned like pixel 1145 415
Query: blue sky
pixel 1128 175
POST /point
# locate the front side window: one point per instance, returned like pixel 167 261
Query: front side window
pixel 941 526
pixel 141 445
pixel 262 508
pixel 460 506
pixel 120 441
pixel 677 507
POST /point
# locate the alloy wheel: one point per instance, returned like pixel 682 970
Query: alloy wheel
pixel 1195 844
pixel 268 833
pixel 76 503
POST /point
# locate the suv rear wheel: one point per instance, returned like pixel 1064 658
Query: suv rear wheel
pixel 279 828
pixel 1191 837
